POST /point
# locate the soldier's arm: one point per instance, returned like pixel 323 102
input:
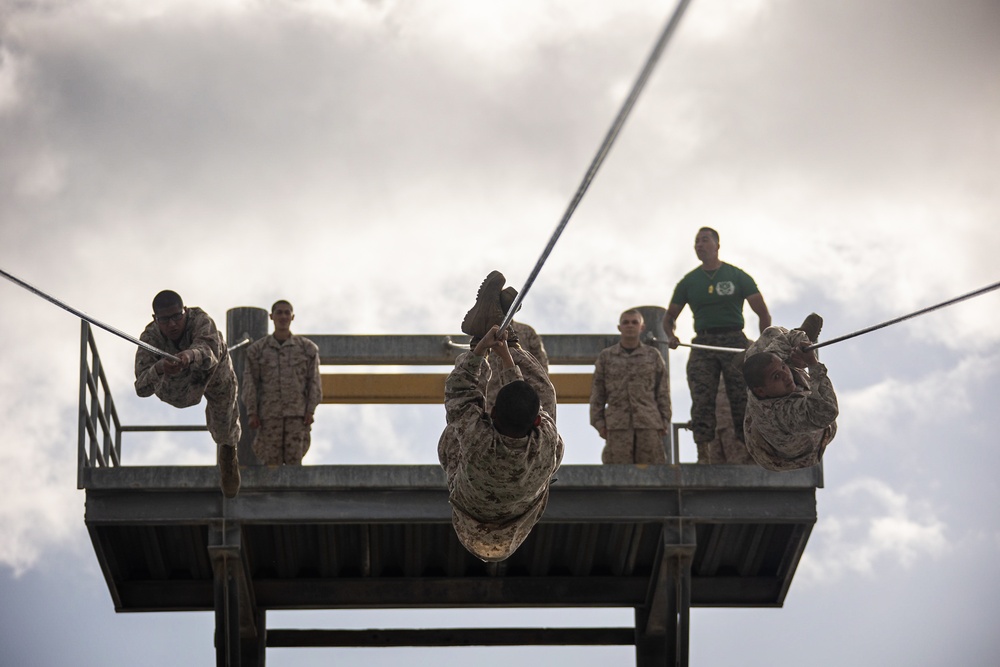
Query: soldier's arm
pixel 314 385
pixel 599 398
pixel 663 392
pixel 207 343
pixel 670 324
pixel 758 306
pixel 147 371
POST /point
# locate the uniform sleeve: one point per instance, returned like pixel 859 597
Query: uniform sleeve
pixel 812 412
pixel 463 400
pixel 537 349
pixel 206 343
pixel 147 377
pixel 825 409
pixel 662 390
pixel 314 385
pixel 251 379
pixel 462 396
pixel 598 394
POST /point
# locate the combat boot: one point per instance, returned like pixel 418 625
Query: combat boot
pixel 486 313
pixel 812 325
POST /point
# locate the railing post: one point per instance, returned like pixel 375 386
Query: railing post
pixel 252 322
pixel 81 454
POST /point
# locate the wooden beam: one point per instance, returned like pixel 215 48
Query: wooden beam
pixel 452 637
pixel 427 388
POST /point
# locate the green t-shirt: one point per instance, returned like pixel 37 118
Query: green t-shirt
pixel 716 301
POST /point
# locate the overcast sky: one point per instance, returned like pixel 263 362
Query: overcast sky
pixel 372 161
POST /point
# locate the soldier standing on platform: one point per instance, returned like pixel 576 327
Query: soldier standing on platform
pixel 203 369
pixel 630 398
pixel 281 390
pixel 498 462
pixel 716 292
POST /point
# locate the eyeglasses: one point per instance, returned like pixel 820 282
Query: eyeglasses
pixel 163 319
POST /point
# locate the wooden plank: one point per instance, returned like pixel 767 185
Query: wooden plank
pixel 452 637
pixel 427 388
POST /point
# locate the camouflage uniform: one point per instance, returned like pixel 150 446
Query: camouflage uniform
pixel 726 446
pixel 703 370
pixel 533 372
pixel 791 431
pixel 631 402
pixel 531 342
pixel 281 387
pixel 498 486
pixel 210 375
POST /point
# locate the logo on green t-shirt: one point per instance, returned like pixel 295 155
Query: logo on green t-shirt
pixel 725 288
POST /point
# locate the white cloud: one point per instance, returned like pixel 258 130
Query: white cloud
pixel 870 526
pixel 878 411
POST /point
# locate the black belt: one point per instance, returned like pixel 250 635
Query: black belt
pixel 720 330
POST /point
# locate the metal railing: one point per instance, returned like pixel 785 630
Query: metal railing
pixel 100 430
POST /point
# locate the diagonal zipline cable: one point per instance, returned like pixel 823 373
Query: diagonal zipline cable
pixel 616 127
pixel 983 290
pixel 84 316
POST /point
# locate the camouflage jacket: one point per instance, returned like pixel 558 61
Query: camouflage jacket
pixel 282 379
pixel 791 431
pixel 211 361
pixel 629 391
pixel 532 342
pixel 500 485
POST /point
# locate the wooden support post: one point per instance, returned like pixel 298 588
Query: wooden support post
pixel 252 322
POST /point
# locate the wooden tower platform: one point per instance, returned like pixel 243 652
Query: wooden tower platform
pixel 657 539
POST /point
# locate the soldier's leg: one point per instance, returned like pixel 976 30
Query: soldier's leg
pixel 222 417
pixel 733 449
pixel 736 392
pixel 649 447
pixel 296 440
pixel 703 381
pixel 268 443
pixel 618 447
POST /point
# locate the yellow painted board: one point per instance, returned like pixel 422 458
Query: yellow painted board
pixel 427 387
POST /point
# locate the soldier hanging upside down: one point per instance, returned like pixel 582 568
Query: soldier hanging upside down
pixel 791 416
pixel 203 369
pixel 499 463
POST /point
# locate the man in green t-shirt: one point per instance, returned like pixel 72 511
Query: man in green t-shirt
pixel 715 291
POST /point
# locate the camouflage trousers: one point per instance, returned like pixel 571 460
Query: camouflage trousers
pixel 629 445
pixel 282 441
pixel 218 388
pixel 222 415
pixel 704 369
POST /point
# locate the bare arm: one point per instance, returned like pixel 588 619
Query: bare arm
pixel 670 324
pixel 758 306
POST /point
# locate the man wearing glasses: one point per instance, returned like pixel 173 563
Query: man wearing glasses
pixel 203 368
